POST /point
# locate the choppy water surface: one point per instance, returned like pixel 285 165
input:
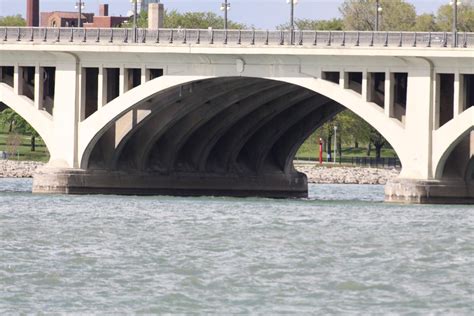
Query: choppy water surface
pixel 342 251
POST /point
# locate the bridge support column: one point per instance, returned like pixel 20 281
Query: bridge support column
pixel 417 182
pixel 65 117
pixel 389 92
pixel 17 80
pixel 39 83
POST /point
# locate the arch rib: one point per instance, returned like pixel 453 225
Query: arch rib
pixel 448 136
pixel 97 124
pixel 41 121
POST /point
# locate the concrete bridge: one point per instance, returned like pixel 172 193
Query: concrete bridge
pixel 212 112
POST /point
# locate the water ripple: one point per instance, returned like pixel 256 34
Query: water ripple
pixel 342 251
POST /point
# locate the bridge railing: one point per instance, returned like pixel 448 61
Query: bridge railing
pixel 233 37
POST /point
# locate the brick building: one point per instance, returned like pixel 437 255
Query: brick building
pixel 88 20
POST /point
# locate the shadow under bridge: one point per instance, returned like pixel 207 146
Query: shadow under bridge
pixel 229 136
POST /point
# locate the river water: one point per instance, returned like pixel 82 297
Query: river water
pixel 343 251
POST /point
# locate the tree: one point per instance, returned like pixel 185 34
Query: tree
pixel 426 23
pixel 308 24
pixel 397 15
pixel 444 18
pixel 188 20
pixel 9 117
pixel 198 20
pixel 17 125
pixel 12 20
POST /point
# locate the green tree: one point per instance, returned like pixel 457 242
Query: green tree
pixel 17 125
pixel 308 24
pixel 188 20
pixel 397 15
pixel 12 20
pixel 444 17
pixel 426 23
pixel 198 20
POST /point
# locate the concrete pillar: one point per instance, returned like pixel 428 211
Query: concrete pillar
pixel 366 88
pixel 437 101
pixel 458 104
pixel 389 93
pixel 39 87
pixel 102 88
pixel 82 93
pixel 344 80
pixel 123 81
pixel 156 14
pixel 69 80
pixel 417 151
pixel 16 80
pixel 144 76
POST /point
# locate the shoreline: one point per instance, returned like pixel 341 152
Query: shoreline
pixel 315 173
pixel 346 175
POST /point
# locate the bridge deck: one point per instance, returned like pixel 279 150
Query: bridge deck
pixel 209 37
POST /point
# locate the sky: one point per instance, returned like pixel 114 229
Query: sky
pixel 265 14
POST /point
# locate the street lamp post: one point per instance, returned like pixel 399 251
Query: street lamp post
pixel 225 7
pixel 455 4
pixel 378 10
pixel 79 6
pixel 292 20
pixel 335 143
pixel 135 18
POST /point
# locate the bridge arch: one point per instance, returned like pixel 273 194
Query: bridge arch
pixel 448 138
pixel 95 127
pixel 41 121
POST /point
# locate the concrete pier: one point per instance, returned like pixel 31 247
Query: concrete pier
pixel 68 181
pixel 429 191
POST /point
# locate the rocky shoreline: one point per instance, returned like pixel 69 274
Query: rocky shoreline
pixel 18 169
pixel 347 175
pixel 316 174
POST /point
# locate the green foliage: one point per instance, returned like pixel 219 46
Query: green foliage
pixel 17 125
pixel 396 15
pixel 444 18
pixel 308 24
pixel 426 23
pixel 12 20
pixel 142 21
pixel 198 20
pixel 188 20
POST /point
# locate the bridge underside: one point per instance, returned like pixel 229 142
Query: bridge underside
pixel 228 136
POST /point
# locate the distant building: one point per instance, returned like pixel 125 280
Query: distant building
pixel 88 20
pixel 32 12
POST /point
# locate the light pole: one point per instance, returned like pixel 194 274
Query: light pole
pixel 135 16
pixel 335 143
pixel 292 20
pixel 378 10
pixel 79 6
pixel 455 4
pixel 225 7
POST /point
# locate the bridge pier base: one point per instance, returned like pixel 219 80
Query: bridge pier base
pixel 429 191
pixel 75 181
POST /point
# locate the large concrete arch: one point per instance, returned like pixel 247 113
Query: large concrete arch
pixel 96 125
pixel 40 120
pixel 446 138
